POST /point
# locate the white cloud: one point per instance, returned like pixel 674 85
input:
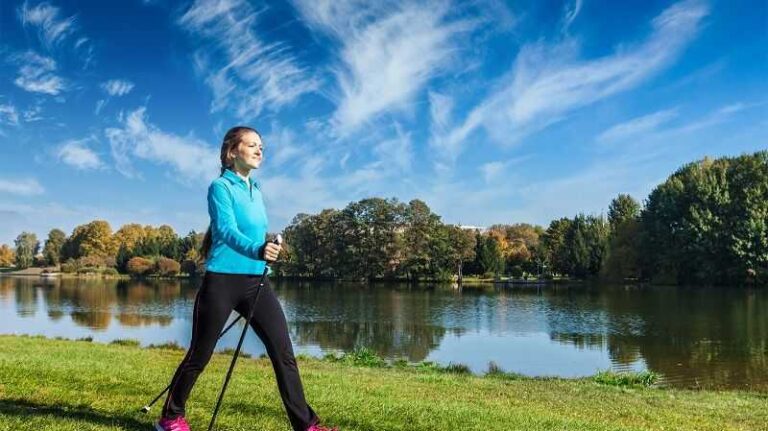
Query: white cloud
pixel 33 114
pixel 637 126
pixel 491 170
pixel 500 169
pixel 76 153
pixel 389 51
pixel 21 187
pixel 280 146
pixel 9 115
pixel 571 12
pixel 548 82
pixel 36 74
pixel 100 104
pixel 117 87
pixel 189 158
pixel 52 29
pixel 396 153
pixel 245 73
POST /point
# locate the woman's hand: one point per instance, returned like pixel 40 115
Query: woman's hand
pixel 271 251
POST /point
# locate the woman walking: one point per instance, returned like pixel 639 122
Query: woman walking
pixel 236 253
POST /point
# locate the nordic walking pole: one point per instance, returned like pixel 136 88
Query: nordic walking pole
pixel 278 241
pixel 146 408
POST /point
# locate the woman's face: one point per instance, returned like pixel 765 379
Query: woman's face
pixel 249 153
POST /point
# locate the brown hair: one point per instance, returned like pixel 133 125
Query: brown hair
pixel 232 139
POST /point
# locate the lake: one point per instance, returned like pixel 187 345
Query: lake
pixel 694 337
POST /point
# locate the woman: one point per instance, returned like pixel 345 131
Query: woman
pixel 236 251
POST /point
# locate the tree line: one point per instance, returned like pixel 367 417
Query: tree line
pixel 706 224
pixel 93 248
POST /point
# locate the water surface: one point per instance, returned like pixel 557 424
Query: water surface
pixel 694 337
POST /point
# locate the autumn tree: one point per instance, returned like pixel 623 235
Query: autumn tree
pixel 7 256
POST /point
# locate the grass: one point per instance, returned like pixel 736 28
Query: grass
pixel 627 379
pixel 66 385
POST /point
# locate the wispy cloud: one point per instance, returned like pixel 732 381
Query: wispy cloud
pixel 397 152
pixel 33 114
pixel 189 158
pixel 637 126
pixel 52 27
pixel 77 153
pixel 500 169
pixel 655 126
pixel 117 87
pixel 389 51
pixel 21 187
pixel 245 73
pixel 9 115
pixel 549 81
pixel 36 74
pixel 571 12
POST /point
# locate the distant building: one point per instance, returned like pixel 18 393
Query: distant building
pixel 470 227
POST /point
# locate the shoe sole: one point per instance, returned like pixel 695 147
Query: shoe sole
pixel 158 427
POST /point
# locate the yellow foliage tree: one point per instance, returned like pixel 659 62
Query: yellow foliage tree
pixel 7 256
pixel 129 235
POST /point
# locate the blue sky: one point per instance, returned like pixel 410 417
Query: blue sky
pixel 490 111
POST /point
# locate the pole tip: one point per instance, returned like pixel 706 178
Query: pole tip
pixel 145 409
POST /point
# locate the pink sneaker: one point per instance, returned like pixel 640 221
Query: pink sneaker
pixel 178 424
pixel 321 428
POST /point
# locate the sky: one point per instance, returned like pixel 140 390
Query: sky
pixel 489 111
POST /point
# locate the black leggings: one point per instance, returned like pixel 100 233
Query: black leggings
pixel 218 296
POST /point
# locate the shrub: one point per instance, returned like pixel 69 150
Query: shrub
pixel 87 270
pixel 139 266
pixel 126 342
pixel 642 378
pixel 166 267
pixel 92 261
pixel 457 369
pixel 363 356
pixel 109 271
pixel 190 267
pixel 171 345
pixel 230 351
pixel 69 267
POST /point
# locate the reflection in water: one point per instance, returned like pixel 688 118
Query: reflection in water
pixel 694 337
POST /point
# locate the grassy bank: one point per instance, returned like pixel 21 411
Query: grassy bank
pixel 69 385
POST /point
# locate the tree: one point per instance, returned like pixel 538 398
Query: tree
pixel 53 246
pixel 490 260
pixel 622 208
pixel 7 256
pixel 168 242
pixel 554 240
pixel 190 246
pixel 27 247
pixel 707 224
pixel 420 228
pixel 129 236
pixel 621 261
pixel 91 239
pixel 461 248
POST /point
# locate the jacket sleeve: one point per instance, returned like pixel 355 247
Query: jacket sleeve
pixel 223 224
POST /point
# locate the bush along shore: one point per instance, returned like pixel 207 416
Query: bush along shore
pixel 49 384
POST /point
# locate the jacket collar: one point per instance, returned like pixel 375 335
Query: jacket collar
pixel 233 178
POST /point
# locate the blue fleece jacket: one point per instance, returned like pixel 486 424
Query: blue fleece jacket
pixel 238 225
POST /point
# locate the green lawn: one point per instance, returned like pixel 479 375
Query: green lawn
pixel 66 385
